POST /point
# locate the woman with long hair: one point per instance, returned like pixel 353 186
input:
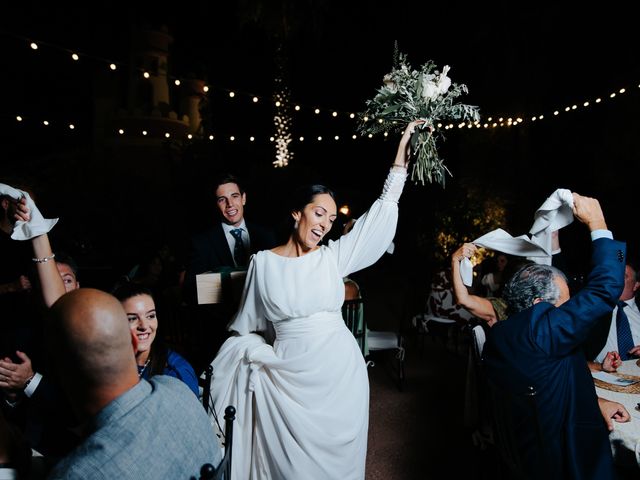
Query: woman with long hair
pixel 153 356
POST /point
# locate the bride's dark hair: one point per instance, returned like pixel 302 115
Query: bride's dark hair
pixel 304 195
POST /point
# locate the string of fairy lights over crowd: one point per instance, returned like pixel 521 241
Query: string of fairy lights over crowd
pixel 283 134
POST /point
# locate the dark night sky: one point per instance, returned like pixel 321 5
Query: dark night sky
pixel 516 60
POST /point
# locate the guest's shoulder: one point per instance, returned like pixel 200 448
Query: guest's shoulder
pixel 161 383
pixel 176 360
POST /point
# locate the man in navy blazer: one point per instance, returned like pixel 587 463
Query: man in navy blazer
pixel 214 247
pixel 539 345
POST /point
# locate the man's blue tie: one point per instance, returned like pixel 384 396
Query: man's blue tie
pixel 239 252
pixel 623 330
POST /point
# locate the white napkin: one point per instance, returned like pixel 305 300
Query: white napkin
pixel 500 240
pixel 37 224
pixel 555 213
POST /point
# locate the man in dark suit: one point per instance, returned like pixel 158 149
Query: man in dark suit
pixel 228 243
pixel 539 345
pixel 231 240
pixel 603 338
pixel 217 246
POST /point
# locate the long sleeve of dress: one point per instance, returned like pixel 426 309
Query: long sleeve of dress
pixel 373 232
pixel 251 315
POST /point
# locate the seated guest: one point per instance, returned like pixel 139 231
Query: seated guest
pixel 539 345
pixel 34 402
pixel 137 299
pixel 17 377
pixel 441 301
pixel 490 309
pixel 152 356
pixel 618 333
pixel 133 429
pixel 493 280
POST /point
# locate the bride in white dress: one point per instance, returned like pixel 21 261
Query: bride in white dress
pixel 303 403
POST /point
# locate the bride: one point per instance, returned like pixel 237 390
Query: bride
pixel 303 401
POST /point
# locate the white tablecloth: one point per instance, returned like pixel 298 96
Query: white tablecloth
pixel 625 438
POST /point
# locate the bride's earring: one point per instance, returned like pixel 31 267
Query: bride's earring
pixel 295 225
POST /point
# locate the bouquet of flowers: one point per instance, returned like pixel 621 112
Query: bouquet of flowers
pixel 409 94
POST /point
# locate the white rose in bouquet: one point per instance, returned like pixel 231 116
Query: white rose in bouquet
pixel 444 82
pixel 430 89
pixel 389 83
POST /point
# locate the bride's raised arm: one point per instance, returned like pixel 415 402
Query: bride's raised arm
pixel 373 232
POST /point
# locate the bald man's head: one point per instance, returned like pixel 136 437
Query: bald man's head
pixel 91 344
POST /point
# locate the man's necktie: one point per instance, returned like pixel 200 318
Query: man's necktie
pixel 623 330
pixel 239 252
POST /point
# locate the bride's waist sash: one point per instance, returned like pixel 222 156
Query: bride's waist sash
pixel 318 323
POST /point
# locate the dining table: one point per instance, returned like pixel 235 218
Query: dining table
pixel 625 437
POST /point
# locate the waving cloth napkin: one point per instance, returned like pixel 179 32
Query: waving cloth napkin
pixel 37 225
pixel 555 213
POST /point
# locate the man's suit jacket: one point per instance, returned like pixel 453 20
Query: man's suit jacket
pixel 542 346
pixel 210 250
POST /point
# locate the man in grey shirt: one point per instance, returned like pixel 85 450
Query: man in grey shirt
pixel 134 429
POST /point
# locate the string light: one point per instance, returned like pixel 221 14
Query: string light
pixel 36 44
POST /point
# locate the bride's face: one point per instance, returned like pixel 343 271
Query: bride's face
pixel 316 220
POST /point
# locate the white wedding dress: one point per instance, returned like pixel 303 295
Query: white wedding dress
pixel 303 403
